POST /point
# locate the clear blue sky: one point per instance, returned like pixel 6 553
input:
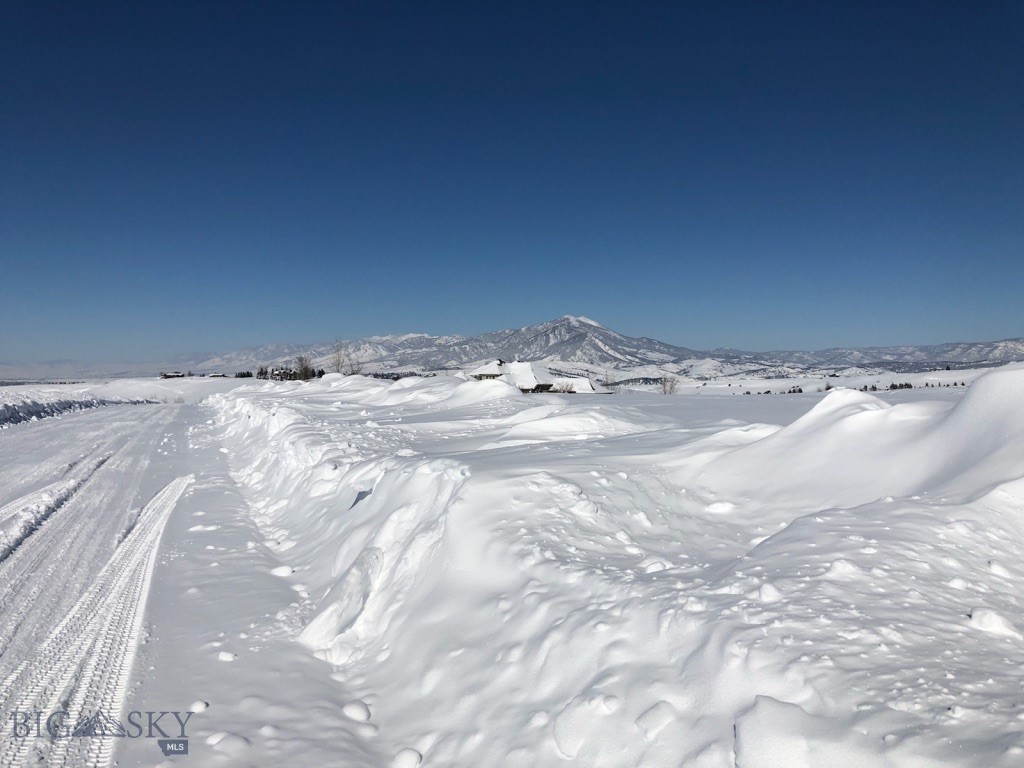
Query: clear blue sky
pixel 182 176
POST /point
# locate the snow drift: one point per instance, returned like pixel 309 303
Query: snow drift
pixel 853 447
pixel 525 581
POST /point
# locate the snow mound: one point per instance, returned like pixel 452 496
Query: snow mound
pixel 989 621
pixel 854 448
pixel 475 392
pixel 380 553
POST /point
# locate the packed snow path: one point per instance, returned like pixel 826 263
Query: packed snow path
pixel 87 659
pixel 125 557
pixel 77 559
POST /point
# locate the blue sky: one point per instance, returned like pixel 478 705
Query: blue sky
pixel 181 176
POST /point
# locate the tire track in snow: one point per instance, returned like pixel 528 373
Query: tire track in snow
pixel 44 453
pixel 55 554
pixel 23 517
pixel 87 659
pixel 46 472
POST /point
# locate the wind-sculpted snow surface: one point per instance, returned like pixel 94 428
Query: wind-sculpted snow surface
pixel 853 448
pixel 501 579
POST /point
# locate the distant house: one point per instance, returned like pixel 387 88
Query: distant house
pixel 492 370
pixel 172 375
pixel 528 377
pixel 578 385
pixel 534 377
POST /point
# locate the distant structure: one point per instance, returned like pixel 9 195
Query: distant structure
pixel 172 375
pixel 493 370
pixel 578 385
pixel 533 378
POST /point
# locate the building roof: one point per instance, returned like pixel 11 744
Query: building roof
pixel 531 376
pixel 578 385
pixel 493 368
pixel 527 375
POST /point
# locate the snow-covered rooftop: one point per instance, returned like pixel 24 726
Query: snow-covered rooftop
pixel 527 376
pixel 493 368
pixel 578 385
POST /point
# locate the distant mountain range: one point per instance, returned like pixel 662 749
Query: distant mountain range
pixel 568 339
pixel 569 343
pixel 585 342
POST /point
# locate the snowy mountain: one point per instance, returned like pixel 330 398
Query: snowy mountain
pixel 1006 351
pixel 958 353
pixel 567 343
pixel 568 339
pixel 586 343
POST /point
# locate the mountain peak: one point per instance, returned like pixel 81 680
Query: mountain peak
pixel 580 320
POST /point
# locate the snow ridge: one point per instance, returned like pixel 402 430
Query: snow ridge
pixel 381 515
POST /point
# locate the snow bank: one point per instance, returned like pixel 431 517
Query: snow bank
pixel 357 524
pixel 37 401
pixel 515 580
pixel 30 404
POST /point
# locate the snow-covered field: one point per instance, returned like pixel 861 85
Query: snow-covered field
pixel 444 572
pixel 30 402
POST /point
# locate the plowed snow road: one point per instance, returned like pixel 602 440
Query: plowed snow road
pixel 86 499
pixel 133 579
